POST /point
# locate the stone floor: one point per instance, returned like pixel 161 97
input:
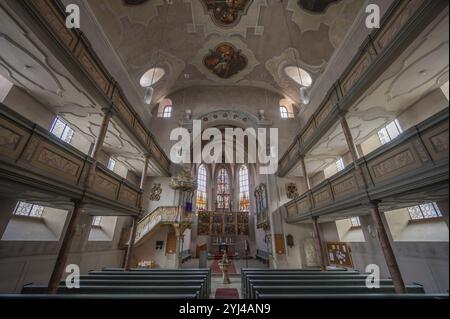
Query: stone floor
pixel 216 280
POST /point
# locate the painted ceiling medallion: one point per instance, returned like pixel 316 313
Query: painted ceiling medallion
pixel 226 13
pixel 225 60
pixel 316 6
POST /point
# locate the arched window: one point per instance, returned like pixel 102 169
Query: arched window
pixel 201 188
pixel 167 111
pixel 244 198
pixel 223 189
pixel 284 112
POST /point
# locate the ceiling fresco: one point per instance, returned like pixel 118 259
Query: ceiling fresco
pixel 225 60
pixel 182 30
pixel 226 13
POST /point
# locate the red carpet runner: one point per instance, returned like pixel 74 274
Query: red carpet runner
pixel 227 293
pixel 215 269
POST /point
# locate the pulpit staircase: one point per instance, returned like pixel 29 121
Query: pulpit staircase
pixel 163 215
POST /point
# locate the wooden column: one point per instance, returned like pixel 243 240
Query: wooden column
pixel 352 147
pixel 388 252
pixel 63 254
pixel 130 247
pixel 305 173
pixel 349 138
pixel 144 171
pixel 101 135
pixel 95 152
pixel 319 245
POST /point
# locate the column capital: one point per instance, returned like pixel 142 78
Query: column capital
pixel 374 203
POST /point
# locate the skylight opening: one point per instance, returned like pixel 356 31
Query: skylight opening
pixel 298 75
pixel 152 76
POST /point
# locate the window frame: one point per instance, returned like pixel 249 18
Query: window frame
pixel 284 113
pixel 96 221
pixel 223 195
pixel 387 136
pixel 202 187
pixel 355 222
pixel 340 166
pixel 71 131
pixel 111 162
pixel 30 210
pixel 244 187
pixel 167 114
pixel 419 209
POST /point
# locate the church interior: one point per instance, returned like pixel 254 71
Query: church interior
pixel 349 98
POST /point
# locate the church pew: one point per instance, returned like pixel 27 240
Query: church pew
pixel 333 290
pixel 354 296
pixel 120 290
pixel 297 274
pixel 250 292
pixel 139 273
pixel 145 283
pixel 45 296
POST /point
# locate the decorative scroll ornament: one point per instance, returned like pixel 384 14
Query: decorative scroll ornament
pixel 226 13
pixel 156 191
pixel 183 181
pixel 291 191
pixel 225 60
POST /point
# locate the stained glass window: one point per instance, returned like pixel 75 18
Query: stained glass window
pixel 201 188
pixel 424 211
pixel 96 220
pixel 223 189
pixel 355 221
pixel 62 130
pixel 389 132
pixel 284 112
pixel 27 209
pixel 244 198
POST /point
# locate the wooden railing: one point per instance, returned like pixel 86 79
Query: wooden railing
pixel 415 160
pixel 34 157
pixel 51 14
pixel 398 28
pixel 161 215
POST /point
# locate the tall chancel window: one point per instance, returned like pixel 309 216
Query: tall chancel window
pixel 389 132
pixel 201 188
pixel 424 211
pixel 244 198
pixel 223 189
pixel 27 209
pixel 167 111
pixel 284 112
pixel 61 130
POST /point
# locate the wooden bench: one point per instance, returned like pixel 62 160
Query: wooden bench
pixel 353 296
pixel 249 292
pixel 333 290
pixel 46 296
pixel 185 255
pixel 121 290
pixel 146 283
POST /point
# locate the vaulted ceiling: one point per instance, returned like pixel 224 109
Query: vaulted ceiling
pixel 267 35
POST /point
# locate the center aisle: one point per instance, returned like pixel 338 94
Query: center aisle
pixel 226 291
